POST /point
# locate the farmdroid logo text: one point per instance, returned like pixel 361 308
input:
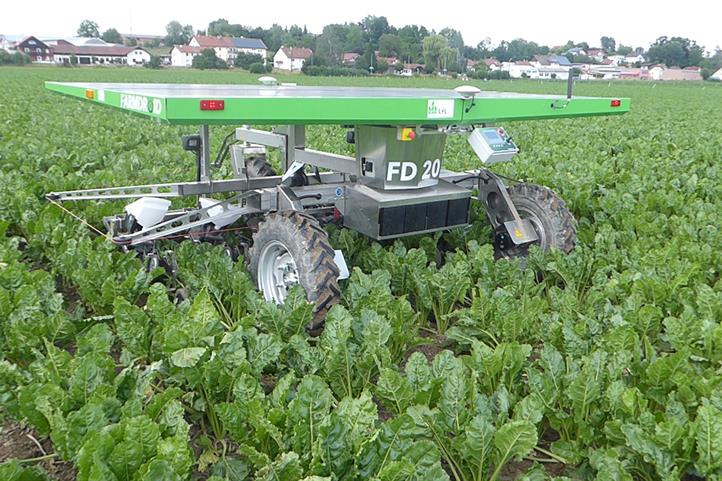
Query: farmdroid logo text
pixel 141 104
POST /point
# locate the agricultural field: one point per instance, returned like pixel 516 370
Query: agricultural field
pixel 438 363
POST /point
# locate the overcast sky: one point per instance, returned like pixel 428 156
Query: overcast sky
pixel 551 22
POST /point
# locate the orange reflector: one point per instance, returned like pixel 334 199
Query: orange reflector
pixel 90 94
pixel 213 104
pixel 616 103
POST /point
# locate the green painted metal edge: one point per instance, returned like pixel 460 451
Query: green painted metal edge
pixel 154 107
pixel 334 110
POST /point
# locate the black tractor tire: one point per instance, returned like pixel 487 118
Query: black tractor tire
pixel 307 243
pixel 553 222
pixel 258 166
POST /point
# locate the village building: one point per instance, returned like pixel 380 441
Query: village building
pixel 98 52
pixel 37 50
pixel 348 59
pixel 291 58
pixel 182 55
pixel 228 48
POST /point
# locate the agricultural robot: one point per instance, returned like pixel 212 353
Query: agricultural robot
pixel 395 185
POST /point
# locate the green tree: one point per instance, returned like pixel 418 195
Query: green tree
pixel 412 38
pixel 245 60
pixel 354 39
pixel 208 60
pixel 454 38
pixel 16 58
pixel 711 64
pixel 256 67
pixel 329 45
pixel 518 49
pixel 178 34
pixel 154 62
pixel 676 51
pixel 608 44
pixel 367 61
pixel 112 36
pixel 222 28
pixel 374 27
pixel 434 48
pixel 624 50
pixel 88 28
pixel 390 45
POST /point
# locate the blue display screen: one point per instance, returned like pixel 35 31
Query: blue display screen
pixel 492 137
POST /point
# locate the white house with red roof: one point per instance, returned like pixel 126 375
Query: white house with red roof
pixel 493 64
pixel 182 55
pixel 291 58
pixel 520 69
pixel 228 48
pixel 633 58
pixel 95 51
pixel 349 58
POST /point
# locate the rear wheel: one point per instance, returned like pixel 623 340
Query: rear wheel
pixel 552 221
pixel 291 248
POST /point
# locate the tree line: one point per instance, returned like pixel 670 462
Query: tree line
pixel 442 51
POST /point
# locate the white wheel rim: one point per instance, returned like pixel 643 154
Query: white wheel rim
pixel 277 272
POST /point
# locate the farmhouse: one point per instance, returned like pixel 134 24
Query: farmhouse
pixel 493 64
pixel 349 58
pixel 556 61
pixel 37 50
pixel 717 75
pixel 291 58
pixel 410 69
pixel 520 69
pixel 228 48
pixel 95 54
pixel 633 58
pixel 596 53
pixel 182 55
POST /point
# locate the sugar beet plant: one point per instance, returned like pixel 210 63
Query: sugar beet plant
pixel 439 363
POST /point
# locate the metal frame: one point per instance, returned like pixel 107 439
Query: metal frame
pixel 257 195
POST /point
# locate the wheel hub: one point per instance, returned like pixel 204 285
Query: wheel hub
pixel 277 272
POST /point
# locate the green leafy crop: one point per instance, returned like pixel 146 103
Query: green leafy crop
pixel 438 363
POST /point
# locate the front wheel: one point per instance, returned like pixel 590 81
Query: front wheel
pixel 552 221
pixel 291 248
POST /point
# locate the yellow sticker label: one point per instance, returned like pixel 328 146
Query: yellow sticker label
pixel 517 232
pixel 407 134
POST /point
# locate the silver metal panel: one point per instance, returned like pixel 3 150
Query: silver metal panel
pixel 287 91
pixel 386 162
pixel 205 161
pixel 262 137
pixel 181 188
pixel 325 160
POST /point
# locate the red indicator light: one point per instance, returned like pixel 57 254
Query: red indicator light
pixel 616 103
pixel 412 135
pixel 213 104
